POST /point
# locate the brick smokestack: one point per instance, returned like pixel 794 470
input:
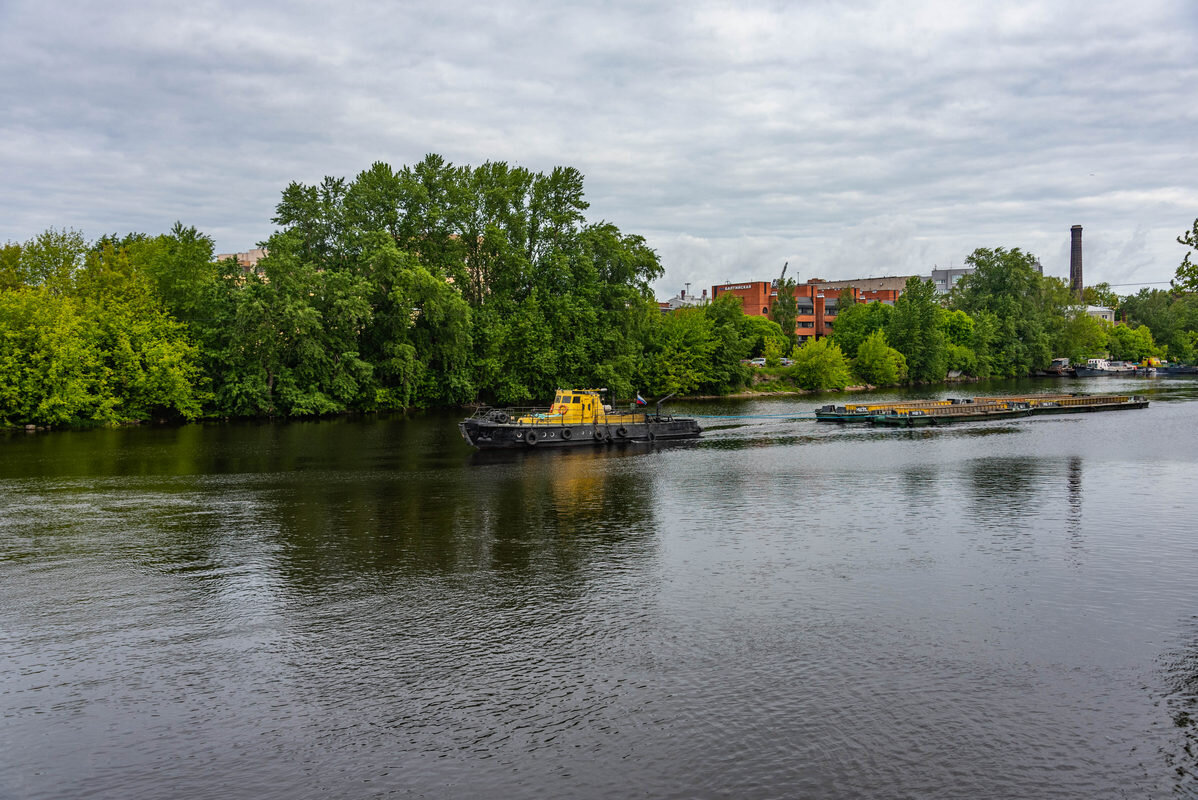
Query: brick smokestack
pixel 1075 261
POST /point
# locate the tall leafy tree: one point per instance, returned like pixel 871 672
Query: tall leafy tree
pixel 878 363
pixel 915 332
pixel 1024 310
pixel 51 259
pixel 856 322
pixel 10 266
pixel 89 342
pixel 678 355
pixel 820 364
pixel 1100 294
pixel 1128 343
pixel 1186 277
pixel 1083 337
pixel 785 308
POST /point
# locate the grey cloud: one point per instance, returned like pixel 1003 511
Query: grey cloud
pixel 879 136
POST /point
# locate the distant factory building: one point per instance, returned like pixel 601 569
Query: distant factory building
pixel 247 260
pixel 684 299
pixel 945 279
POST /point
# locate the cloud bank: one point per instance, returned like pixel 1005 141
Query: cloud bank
pixel 850 139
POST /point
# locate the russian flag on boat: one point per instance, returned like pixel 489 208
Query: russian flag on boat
pixel 640 401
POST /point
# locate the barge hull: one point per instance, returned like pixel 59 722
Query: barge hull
pixel 905 421
pixel 493 435
pixel 1061 407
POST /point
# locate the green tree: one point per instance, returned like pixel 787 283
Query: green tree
pixel 51 259
pixel 785 308
pixel 181 268
pixel 756 332
pixel 856 322
pixel 1083 337
pixel 1186 277
pixel 10 266
pixel 820 364
pixel 1172 316
pixel 958 329
pixel 1100 294
pixel 878 363
pixel 773 353
pixel 736 335
pixel 914 331
pixel 1128 343
pixel 1026 310
pixel 90 344
pixel 678 353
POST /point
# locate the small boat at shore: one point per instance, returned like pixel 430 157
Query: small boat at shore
pixel 578 417
pixel 1059 368
pixel 1101 368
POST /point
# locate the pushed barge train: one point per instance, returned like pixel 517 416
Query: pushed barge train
pixel 942 412
pixel 577 417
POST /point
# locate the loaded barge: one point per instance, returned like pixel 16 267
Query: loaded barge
pixel 577 417
pixel 943 412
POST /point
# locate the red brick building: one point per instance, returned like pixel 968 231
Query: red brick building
pixel 818 300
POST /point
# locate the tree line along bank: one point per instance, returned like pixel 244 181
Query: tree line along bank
pixel 441 285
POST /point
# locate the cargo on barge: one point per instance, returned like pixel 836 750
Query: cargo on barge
pixel 578 417
pixel 861 412
pixel 997 408
pixel 865 412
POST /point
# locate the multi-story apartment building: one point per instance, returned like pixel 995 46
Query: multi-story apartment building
pixel 818 300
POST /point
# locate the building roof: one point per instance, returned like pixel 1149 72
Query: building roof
pixel 896 283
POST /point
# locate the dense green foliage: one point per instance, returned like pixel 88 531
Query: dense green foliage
pixel 425 286
pixel 914 330
pixel 856 322
pixel 820 364
pixel 1171 316
pixel 1023 307
pixel 84 340
pixel 1186 278
pixel 878 363
pixel 436 285
pixel 785 308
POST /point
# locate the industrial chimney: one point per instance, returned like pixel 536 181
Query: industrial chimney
pixel 1075 261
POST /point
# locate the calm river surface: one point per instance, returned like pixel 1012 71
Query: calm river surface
pixel 362 608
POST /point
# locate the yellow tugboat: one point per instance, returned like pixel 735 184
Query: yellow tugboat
pixel 577 417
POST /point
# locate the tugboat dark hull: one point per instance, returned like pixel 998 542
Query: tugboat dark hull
pixel 490 435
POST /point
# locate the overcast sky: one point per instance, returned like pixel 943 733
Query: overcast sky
pixel 852 139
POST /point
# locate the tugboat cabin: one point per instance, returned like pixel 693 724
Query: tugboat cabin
pixel 580 407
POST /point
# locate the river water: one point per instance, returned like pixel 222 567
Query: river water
pixel 367 608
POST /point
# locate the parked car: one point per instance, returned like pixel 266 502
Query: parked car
pixel 757 362
pixel 786 362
